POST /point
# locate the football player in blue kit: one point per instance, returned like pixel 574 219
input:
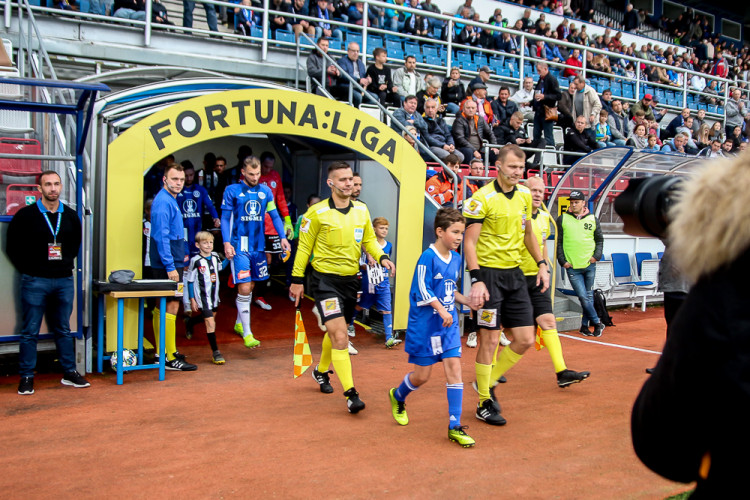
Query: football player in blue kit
pixel 243 211
pixel 193 200
pixel 432 334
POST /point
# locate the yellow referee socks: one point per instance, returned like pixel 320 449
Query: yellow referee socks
pixel 507 359
pixel 170 335
pixel 552 343
pixel 483 380
pixel 342 365
pixel 325 354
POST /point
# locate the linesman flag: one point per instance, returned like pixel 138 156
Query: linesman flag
pixel 302 354
pixel 539 341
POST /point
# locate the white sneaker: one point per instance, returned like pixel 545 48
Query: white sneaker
pixel 471 341
pixel 352 350
pixel 261 302
pixel 503 339
pixel 320 321
pixel 350 331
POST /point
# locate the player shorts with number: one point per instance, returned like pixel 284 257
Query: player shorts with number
pixel 509 305
pixel 335 296
pixel 273 243
pixel 249 266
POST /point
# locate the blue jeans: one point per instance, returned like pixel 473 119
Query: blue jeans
pixel 51 298
pixel 582 281
pixel 542 125
pixel 452 107
pixel 187 15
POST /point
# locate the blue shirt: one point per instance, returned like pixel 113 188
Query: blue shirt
pixel 167 240
pixel 243 212
pixel 192 201
pixel 434 279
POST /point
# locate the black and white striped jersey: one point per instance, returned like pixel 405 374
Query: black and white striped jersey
pixel 203 280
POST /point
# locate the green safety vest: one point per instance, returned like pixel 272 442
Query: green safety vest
pixel 578 239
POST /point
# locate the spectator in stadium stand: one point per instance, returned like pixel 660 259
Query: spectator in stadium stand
pixel 675 145
pixel 356 14
pixel 645 106
pixel 438 134
pixel 135 10
pixel 606 100
pixel 563 30
pixel 187 15
pixel 415 24
pixel 440 186
pixel 585 102
pixel 507 44
pixel 469 132
pixel 698 121
pixel 630 20
pixel 571 63
pixel 476 169
pixel 354 67
pixel 720 67
pixel 431 91
pixel 503 107
pixel 524 97
pixel 618 123
pixel 514 133
pixel 407 116
pixel 323 27
pixel 299 8
pixel 428 6
pixel 638 138
pixel 565 108
pixel 735 111
pixel 483 76
pixel 469 35
pixel 318 67
pixel 728 147
pixel 244 18
pixel 546 93
pixel 713 150
pixel 381 83
pixel 42 243
pixel 526 22
pixel 452 91
pixel 484 106
pixel 578 140
pixel 407 80
pixel 691 147
pixel 736 137
pixel 466 5
pixel 677 121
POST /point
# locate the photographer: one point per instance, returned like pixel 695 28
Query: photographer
pixel 704 368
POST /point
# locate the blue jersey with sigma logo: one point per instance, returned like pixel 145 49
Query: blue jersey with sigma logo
pixel 243 212
pixel 192 201
pixel 434 279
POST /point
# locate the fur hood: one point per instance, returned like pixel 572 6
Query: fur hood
pixel 710 222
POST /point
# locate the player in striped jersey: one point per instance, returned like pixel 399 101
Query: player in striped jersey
pixel 432 334
pixel 242 227
pixel 203 288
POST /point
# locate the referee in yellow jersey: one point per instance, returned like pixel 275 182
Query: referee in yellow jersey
pixel 334 231
pixel 497 230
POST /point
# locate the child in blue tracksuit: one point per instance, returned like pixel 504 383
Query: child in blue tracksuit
pixel 432 334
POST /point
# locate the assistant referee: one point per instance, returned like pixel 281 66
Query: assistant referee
pixel 334 231
pixel 497 230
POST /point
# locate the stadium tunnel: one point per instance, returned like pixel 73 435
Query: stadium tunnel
pixel 138 127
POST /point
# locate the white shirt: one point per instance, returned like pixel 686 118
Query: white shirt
pixel 698 82
pixel 522 95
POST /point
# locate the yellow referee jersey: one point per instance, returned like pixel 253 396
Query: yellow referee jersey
pixel 540 224
pixel 334 237
pixel 503 217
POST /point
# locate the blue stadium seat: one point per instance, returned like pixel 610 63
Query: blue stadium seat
pixel 373 42
pixel 720 109
pixel 469 66
pixel 256 32
pixel 639 258
pixel 334 44
pixel 434 60
pixel 393 45
pixel 624 273
pixel 396 54
pixel 703 106
pixel 463 56
pixel 430 50
pixel 412 49
pixel 712 108
pixel 480 58
pixel 353 37
pixel 285 36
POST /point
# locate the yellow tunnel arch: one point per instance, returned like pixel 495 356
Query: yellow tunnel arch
pixel 258 111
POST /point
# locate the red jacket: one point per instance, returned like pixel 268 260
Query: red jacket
pixel 569 71
pixel 273 181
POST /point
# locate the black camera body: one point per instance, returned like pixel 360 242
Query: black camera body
pixel 644 206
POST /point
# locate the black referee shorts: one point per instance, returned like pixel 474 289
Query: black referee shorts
pixel 509 305
pixel 335 296
pixel 541 303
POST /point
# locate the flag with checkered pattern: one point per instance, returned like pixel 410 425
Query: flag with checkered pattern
pixel 302 354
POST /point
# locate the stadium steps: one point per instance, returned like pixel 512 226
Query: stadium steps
pixel 567 312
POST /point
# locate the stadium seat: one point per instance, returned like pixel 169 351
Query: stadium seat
pixel 624 276
pixel 430 51
pixel 353 37
pixel 480 58
pixel 469 66
pixel 285 36
pixel 412 49
pixel 20 166
pixel 463 56
pixel 18 196
pixel 393 46
pixel 639 258
pixel 373 42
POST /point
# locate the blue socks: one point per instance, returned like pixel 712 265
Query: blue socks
pixel 404 389
pixel 388 324
pixel 455 393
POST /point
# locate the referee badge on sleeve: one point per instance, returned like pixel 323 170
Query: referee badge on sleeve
pixel 305 226
pixel 358 233
pixel 487 317
pixel 472 207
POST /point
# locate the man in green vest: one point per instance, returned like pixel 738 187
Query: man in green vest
pixel 579 246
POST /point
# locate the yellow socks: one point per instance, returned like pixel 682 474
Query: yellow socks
pixel 507 359
pixel 325 354
pixel 170 335
pixel 342 365
pixel 552 343
pixel 483 380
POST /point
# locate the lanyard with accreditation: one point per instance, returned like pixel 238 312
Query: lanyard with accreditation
pixel 54 250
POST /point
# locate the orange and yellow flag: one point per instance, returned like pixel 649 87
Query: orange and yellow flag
pixel 539 341
pixel 302 354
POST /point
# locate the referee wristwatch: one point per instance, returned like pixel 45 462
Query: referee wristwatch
pixel 542 262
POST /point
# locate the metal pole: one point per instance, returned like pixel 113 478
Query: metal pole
pixel 147 31
pixel 264 43
pixel 521 68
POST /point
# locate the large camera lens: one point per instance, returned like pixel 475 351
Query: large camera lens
pixel 644 205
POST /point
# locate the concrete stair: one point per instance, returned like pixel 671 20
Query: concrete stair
pixel 567 312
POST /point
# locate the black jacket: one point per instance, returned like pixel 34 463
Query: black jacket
pixel 579 142
pixel 439 133
pixel 454 94
pixel 506 135
pixel 502 112
pixel 551 89
pixel 28 238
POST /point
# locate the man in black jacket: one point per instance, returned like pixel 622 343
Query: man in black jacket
pixel 438 137
pixel 578 140
pixel 503 107
pixel 42 243
pixel 469 131
pixel 514 133
pixel 546 93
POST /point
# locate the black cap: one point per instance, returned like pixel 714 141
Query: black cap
pixel 576 195
pixel 478 85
